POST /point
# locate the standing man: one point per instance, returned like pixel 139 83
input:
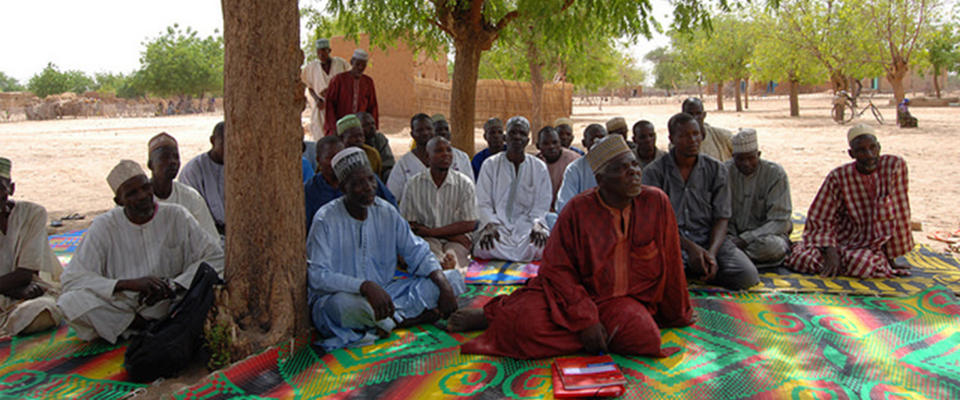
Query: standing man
pixel 163 160
pixel 442 128
pixel 205 174
pixel 441 207
pixel 317 76
pixel 859 223
pixel 645 137
pixel 700 195
pixel 579 177
pixel 564 128
pixel 493 134
pixel 760 193
pixel 513 193
pixel 374 138
pixel 351 92
pixel 27 302
pixel 716 142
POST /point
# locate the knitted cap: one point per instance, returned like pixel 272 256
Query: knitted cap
pixel 605 151
pixel 745 141
pixel 860 130
pixel 5 165
pixel 347 122
pixel 125 170
pixel 360 54
pixel 348 160
pixel 323 44
pixel 616 123
pixel 161 140
pixel 563 121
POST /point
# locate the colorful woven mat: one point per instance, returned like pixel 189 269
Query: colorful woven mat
pixel 66 244
pixel 745 345
pixel 56 364
pixel 497 272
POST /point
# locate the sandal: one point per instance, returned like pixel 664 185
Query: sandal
pixel 943 236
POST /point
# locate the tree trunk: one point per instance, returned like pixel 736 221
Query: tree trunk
pixel 839 81
pixel 746 94
pixel 794 98
pixel 463 95
pixel 936 80
pixel 896 71
pixel 266 297
pixel 536 84
pixel 736 94
pixel 720 96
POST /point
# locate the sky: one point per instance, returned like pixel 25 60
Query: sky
pixel 107 35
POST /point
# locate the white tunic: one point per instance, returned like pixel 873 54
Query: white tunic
pixel 25 245
pixel 190 199
pixel 171 245
pixel 516 200
pixel 317 79
pixel 409 165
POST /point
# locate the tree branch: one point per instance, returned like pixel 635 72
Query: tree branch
pixel 512 15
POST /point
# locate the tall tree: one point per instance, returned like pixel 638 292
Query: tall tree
pixel 181 63
pixel 473 26
pixel 777 59
pixel 9 84
pixel 265 252
pixel 899 27
pixel 719 52
pixel 668 73
pixel 52 81
pixel 943 52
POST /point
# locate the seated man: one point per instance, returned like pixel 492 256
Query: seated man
pixel 441 207
pixel 416 161
pixel 595 292
pixel 351 132
pixel 27 303
pixel 645 137
pixel 859 222
pixel 555 156
pixel 715 142
pixel 134 261
pixel 904 118
pixel 352 252
pixel 578 176
pixel 760 194
pixel 163 160
pixel 205 174
pixel 493 134
pixel 324 187
pixel 564 128
pixel 700 194
pixel 442 128
pixel 513 193
pixel 379 141
pixel 618 126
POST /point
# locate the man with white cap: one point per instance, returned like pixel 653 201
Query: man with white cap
pixel 352 251
pixel 514 196
pixel 618 126
pixel 859 222
pixel 611 276
pixel 163 160
pixel 351 92
pixel 699 191
pixel 760 198
pixel 134 261
pixel 27 302
pixel 317 76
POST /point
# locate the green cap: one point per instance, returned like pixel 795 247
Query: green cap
pixel 347 122
pixel 4 168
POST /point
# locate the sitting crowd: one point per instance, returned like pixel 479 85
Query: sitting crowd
pixel 619 227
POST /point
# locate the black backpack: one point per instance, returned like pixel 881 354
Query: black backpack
pixel 169 345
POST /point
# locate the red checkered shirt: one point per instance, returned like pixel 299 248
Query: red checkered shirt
pixel 853 210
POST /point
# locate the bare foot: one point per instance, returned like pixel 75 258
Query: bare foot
pixel 465 320
pixel 427 317
pixel 448 262
pixel 382 334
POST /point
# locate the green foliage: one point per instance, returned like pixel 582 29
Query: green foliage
pixel 182 63
pixel 319 26
pixel 122 86
pixel 217 342
pixel 668 72
pixel 720 52
pixel 943 49
pixel 9 84
pixel 776 58
pixel 52 81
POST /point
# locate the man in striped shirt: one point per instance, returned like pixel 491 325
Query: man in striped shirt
pixel 859 223
pixel 441 207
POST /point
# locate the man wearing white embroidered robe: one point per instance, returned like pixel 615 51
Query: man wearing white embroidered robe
pixel 514 195
pixel 134 261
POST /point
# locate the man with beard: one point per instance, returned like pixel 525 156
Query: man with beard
pixel 564 128
pixel 317 75
pixel 578 176
pixel 513 193
pixel 163 160
pixel 441 207
pixel 493 134
pixel 352 251
pixel 595 292
pixel 859 222
pixel 699 192
pixel 27 301
pixel 417 160
pixel 760 193
pixel 134 261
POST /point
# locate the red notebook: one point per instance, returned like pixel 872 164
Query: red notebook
pixel 559 392
pixel 589 372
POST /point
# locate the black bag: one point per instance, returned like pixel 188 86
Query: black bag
pixel 168 345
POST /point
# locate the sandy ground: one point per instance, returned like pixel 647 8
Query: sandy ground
pixel 63 164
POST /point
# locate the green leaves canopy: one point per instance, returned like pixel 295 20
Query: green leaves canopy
pixel 182 63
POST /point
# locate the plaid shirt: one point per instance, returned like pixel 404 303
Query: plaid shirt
pixel 853 210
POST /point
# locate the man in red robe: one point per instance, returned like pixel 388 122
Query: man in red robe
pixel 612 274
pixel 349 93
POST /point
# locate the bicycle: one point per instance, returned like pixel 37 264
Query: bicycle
pixel 842 101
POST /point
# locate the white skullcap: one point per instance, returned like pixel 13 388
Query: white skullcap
pixel 360 54
pixel 125 170
pixel 860 130
pixel 348 160
pixel 745 141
